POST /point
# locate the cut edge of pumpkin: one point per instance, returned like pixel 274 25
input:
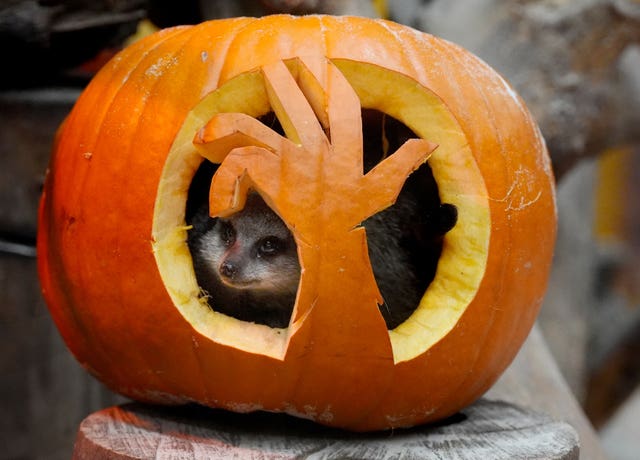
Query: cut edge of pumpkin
pixel 463 259
pixel 464 254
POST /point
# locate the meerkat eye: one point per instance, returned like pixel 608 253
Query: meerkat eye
pixel 227 233
pixel 269 246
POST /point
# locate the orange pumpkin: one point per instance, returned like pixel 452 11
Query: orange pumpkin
pixel 117 273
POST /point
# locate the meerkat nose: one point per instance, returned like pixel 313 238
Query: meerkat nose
pixel 228 269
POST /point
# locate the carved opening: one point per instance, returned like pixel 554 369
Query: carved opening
pixel 404 240
pixel 460 266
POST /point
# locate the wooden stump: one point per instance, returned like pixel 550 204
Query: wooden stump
pixel 486 430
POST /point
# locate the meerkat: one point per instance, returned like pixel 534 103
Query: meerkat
pixel 247 264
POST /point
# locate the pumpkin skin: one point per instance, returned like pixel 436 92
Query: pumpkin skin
pixel 105 250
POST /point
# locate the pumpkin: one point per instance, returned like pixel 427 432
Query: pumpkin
pixel 118 276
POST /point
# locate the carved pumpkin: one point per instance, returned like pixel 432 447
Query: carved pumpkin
pixel 118 276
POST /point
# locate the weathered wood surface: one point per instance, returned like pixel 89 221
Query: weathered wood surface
pixel 534 381
pixel 487 430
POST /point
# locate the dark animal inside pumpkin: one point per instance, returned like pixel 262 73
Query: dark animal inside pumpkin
pixel 404 240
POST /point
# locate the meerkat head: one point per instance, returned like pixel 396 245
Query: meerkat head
pixel 254 250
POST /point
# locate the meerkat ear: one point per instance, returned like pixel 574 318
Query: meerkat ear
pixel 447 217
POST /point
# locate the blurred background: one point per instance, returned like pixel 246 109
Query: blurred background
pixel 575 62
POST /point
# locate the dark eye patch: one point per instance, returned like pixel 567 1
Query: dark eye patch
pixel 227 233
pixel 270 246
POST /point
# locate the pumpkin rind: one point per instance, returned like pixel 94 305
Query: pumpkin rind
pixel 110 302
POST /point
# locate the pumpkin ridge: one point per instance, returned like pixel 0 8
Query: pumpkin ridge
pixel 491 323
pixel 138 124
pixel 231 44
pixel 410 57
pixel 109 78
pixel 241 24
pixel 513 333
pixel 109 82
pixel 512 179
pixel 487 108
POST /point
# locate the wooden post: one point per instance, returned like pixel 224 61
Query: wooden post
pixel 487 429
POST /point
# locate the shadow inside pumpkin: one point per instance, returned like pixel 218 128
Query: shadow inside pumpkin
pixel 247 264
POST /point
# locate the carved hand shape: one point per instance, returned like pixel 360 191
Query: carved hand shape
pixel 313 178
